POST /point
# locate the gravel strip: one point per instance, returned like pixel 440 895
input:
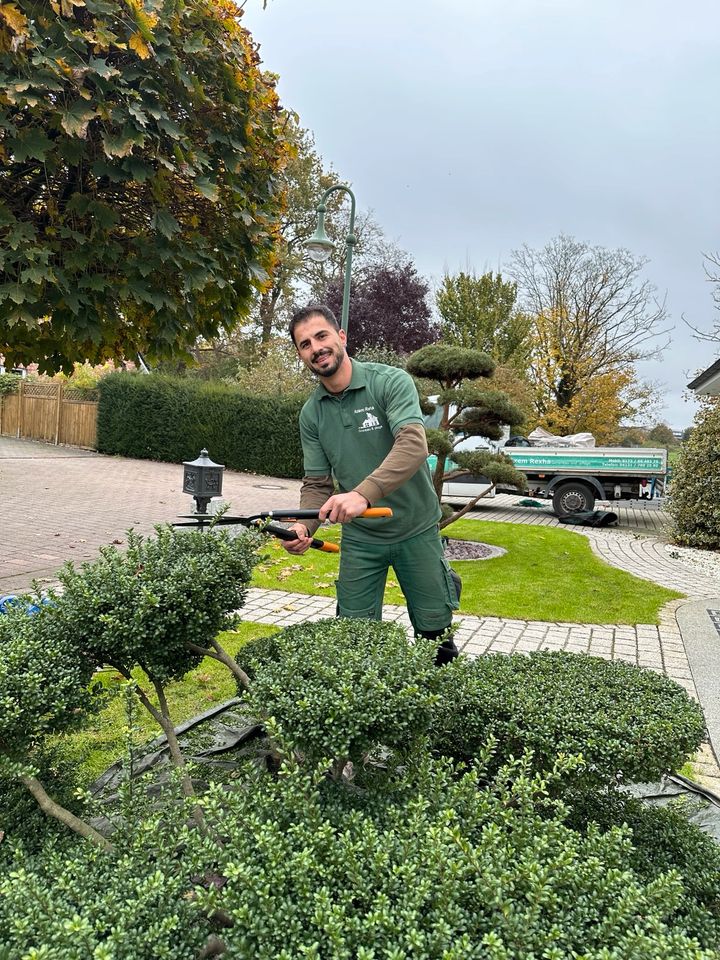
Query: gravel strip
pixel 706 562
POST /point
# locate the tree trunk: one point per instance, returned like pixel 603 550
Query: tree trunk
pixel 267 316
pixel 165 721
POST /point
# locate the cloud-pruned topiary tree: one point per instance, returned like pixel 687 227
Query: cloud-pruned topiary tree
pixel 140 145
pixel 468 409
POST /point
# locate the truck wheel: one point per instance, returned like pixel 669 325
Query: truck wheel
pixel 572 498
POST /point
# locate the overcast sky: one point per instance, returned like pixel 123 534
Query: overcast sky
pixel 471 127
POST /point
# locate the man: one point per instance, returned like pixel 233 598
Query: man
pixel 362 428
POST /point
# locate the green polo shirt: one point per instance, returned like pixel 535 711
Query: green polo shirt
pixel 349 435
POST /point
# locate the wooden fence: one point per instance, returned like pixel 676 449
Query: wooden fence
pixel 51 412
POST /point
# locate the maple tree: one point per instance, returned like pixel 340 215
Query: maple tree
pixel 141 146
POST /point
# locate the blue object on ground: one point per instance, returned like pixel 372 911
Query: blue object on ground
pixel 11 600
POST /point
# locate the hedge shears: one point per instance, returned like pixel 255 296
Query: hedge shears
pixel 260 520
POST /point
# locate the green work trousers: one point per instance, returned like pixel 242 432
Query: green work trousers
pixel 421 570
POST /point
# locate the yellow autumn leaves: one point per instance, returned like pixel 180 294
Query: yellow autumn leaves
pixel 140 42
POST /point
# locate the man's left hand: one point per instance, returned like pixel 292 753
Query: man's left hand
pixel 343 507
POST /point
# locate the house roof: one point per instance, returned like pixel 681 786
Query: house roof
pixel 707 384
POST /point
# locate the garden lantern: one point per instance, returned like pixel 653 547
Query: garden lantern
pixel 202 479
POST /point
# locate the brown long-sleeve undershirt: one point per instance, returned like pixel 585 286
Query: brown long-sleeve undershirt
pixel 409 451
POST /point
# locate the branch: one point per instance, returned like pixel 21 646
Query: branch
pixel 224 657
pixel 53 809
pixel 465 509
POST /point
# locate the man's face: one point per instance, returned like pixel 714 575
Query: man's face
pixel 319 345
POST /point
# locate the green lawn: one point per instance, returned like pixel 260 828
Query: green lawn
pixel 104 739
pixel 547 574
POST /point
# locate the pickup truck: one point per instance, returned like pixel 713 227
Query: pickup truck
pixel 572 477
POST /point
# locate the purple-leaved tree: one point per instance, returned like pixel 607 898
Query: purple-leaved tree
pixel 389 308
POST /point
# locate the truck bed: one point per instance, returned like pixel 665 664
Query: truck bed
pixel 598 461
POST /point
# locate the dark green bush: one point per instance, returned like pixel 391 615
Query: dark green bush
pixel 445 867
pixel 147 605
pixel 337 688
pixel 663 839
pixel 76 902
pixel 9 382
pixel 695 490
pixel 627 723
pixel 44 684
pixel 441 870
pixel 170 418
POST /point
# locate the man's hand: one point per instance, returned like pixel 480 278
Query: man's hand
pixel 343 507
pixel 302 544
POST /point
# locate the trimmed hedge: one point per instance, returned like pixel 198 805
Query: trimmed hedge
pixel 663 839
pixel 158 417
pixel 628 723
pixel 448 869
pixel 73 902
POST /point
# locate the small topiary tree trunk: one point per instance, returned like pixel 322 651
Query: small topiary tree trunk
pixel 468 410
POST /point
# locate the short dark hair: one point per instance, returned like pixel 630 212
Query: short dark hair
pixel 311 310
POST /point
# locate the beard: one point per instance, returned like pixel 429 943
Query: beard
pixel 335 358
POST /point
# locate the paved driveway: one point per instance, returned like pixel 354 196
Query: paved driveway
pixel 61 503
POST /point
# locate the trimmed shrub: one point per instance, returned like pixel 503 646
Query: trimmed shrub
pixel 663 839
pixel 44 681
pixel 628 723
pixel 45 688
pixel 445 869
pixel 695 491
pixel 170 418
pixel 157 601
pixel 77 902
pixel 337 688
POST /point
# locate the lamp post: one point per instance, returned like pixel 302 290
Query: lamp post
pixel 320 246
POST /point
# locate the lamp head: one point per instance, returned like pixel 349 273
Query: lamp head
pixel 319 246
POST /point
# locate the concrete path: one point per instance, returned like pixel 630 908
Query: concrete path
pixel 60 503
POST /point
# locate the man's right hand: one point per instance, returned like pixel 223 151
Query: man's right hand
pixel 302 544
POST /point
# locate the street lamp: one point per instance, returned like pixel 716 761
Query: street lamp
pixel 320 246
